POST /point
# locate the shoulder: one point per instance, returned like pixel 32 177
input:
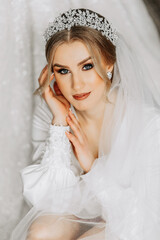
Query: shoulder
pixel 42 115
pixel 153 118
pixel 42 118
pixel 152 127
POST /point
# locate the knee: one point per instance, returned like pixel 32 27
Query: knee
pixel 52 228
pixel 40 232
pixel 37 232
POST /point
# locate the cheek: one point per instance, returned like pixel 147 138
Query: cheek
pixel 96 80
pixel 61 82
pixel 98 85
pixel 92 81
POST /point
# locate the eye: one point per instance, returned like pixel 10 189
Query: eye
pixel 88 66
pixel 63 71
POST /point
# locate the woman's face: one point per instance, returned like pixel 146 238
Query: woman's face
pixel 75 74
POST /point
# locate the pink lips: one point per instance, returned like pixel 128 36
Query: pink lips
pixel 81 96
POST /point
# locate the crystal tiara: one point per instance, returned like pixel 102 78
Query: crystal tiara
pixel 81 17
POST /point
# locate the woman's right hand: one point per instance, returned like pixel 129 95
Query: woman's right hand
pixel 58 104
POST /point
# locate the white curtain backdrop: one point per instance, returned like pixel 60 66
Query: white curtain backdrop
pixel 22 23
pixel 16 84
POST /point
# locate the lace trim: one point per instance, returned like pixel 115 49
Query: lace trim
pixel 57 147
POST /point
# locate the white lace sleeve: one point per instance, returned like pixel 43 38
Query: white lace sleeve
pixel 54 172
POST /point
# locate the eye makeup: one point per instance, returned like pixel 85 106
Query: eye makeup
pixel 89 66
pixel 85 67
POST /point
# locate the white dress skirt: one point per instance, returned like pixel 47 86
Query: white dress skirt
pixel 118 199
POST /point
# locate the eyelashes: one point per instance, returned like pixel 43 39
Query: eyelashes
pixel 63 71
pixel 86 67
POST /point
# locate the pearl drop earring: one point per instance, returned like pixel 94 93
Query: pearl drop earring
pixel 109 75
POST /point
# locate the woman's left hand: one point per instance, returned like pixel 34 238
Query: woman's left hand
pixel 80 143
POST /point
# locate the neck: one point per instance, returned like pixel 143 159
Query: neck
pixel 92 116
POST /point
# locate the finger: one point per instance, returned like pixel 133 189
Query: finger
pixel 48 92
pixel 43 71
pixel 75 129
pixel 64 101
pixel 45 68
pixel 73 139
pixel 51 78
pixel 74 119
pixel 43 77
pixel 56 89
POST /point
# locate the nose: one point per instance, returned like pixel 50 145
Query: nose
pixel 78 82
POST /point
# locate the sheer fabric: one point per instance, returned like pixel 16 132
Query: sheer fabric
pixel 119 198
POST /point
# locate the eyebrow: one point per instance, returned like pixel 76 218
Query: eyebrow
pixel 83 61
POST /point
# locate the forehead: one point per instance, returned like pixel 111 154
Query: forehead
pixel 72 51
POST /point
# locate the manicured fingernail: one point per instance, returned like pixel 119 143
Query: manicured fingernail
pixel 67 132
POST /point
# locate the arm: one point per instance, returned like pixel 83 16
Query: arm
pixel 54 168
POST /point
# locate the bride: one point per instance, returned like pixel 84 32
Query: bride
pixel 96 138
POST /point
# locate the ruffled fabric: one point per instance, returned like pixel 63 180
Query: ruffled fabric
pixel 118 198
pixel 54 172
pixel 127 183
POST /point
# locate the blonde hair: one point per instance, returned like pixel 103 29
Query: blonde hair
pixel 97 44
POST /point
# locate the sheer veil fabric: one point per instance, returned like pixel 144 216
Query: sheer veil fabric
pixel 133 21
pixel 22 58
pixel 120 195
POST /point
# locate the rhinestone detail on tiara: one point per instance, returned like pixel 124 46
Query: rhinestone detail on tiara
pixel 81 17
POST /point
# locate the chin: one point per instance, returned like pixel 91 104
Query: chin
pixel 81 106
